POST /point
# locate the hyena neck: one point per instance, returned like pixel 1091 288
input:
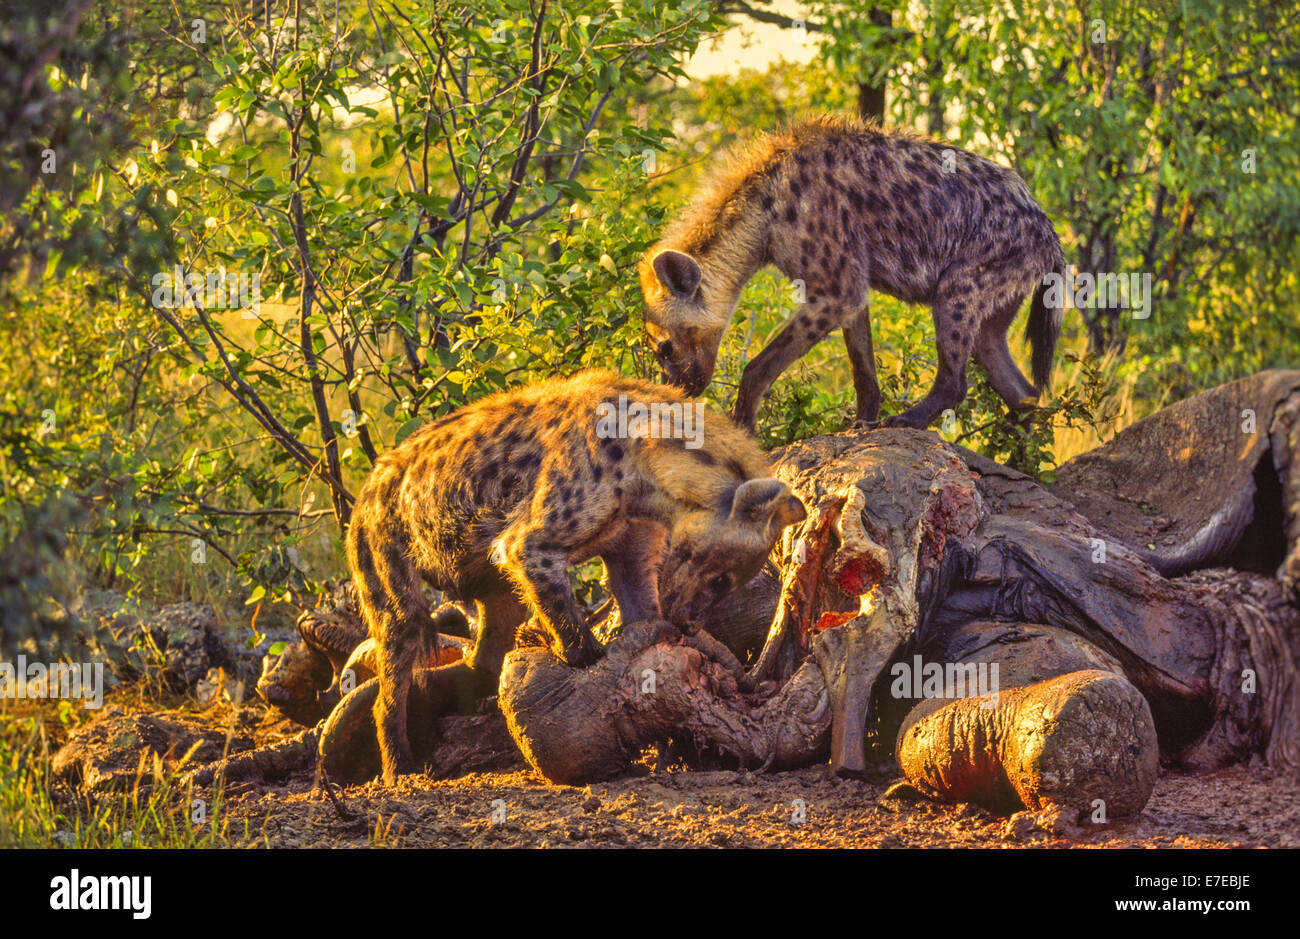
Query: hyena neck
pixel 725 276
pixel 681 481
pixel 730 244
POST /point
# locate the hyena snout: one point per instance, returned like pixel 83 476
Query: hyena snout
pixel 688 360
pixel 683 332
pixel 687 373
pixel 711 554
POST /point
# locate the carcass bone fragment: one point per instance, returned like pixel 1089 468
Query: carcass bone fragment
pixel 805 547
pixel 852 653
pixel 850 656
pixel 849 647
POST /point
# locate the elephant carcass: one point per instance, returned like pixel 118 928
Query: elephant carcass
pixel 866 562
pixel 908 511
pixel 1225 493
pixel 913 544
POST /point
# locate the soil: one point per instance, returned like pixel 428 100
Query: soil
pixel 1237 807
pixel 1245 806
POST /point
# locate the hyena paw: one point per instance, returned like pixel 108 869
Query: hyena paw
pixel 583 654
pixel 390 774
pixel 902 420
pixel 399 763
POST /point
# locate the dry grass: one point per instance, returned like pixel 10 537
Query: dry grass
pixel 159 810
pixel 1120 408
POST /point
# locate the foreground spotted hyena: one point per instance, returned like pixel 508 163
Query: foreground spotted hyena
pixel 495 502
pixel 848 208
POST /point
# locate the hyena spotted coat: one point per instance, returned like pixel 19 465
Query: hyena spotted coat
pixel 495 502
pixel 848 208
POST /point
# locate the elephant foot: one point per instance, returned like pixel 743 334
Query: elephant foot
pixel 1083 741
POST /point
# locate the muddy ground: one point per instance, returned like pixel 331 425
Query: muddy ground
pixel 1238 807
pixel 669 805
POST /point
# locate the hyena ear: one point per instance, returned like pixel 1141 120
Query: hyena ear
pixel 679 273
pixel 758 501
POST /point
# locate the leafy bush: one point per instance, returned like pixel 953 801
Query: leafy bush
pixel 428 202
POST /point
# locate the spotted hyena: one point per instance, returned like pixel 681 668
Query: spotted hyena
pixel 495 502
pixel 847 208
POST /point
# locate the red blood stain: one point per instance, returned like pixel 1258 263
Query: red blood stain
pixel 858 576
pixel 943 517
pixel 831 619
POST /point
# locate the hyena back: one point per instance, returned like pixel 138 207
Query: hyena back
pixel 495 502
pixel 848 208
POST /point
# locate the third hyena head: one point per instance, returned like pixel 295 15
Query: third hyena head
pixel 684 331
pixel 712 552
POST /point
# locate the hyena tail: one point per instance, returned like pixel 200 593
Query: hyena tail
pixel 1044 327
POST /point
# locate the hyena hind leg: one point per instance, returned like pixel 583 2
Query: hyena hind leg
pixel 862 360
pixel 992 351
pixel 397 613
pixel 954 330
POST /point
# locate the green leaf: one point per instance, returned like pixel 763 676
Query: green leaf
pixel 407 429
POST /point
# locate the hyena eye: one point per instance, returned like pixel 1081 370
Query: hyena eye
pixel 720 584
pixel 665 349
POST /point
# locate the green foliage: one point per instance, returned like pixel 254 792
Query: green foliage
pixel 423 251
pixel 1025 441
pixel 442 200
pixel 425 204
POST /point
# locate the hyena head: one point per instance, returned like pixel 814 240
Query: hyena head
pixel 684 331
pixel 712 552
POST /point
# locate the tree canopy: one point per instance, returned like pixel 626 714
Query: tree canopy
pixel 244 250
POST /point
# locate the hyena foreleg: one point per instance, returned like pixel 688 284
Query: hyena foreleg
pixel 632 566
pixel 540 569
pixel 810 323
pixel 395 609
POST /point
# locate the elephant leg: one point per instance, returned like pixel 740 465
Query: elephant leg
pixel 1084 741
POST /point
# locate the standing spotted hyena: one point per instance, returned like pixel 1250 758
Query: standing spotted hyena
pixel 848 208
pixel 495 502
